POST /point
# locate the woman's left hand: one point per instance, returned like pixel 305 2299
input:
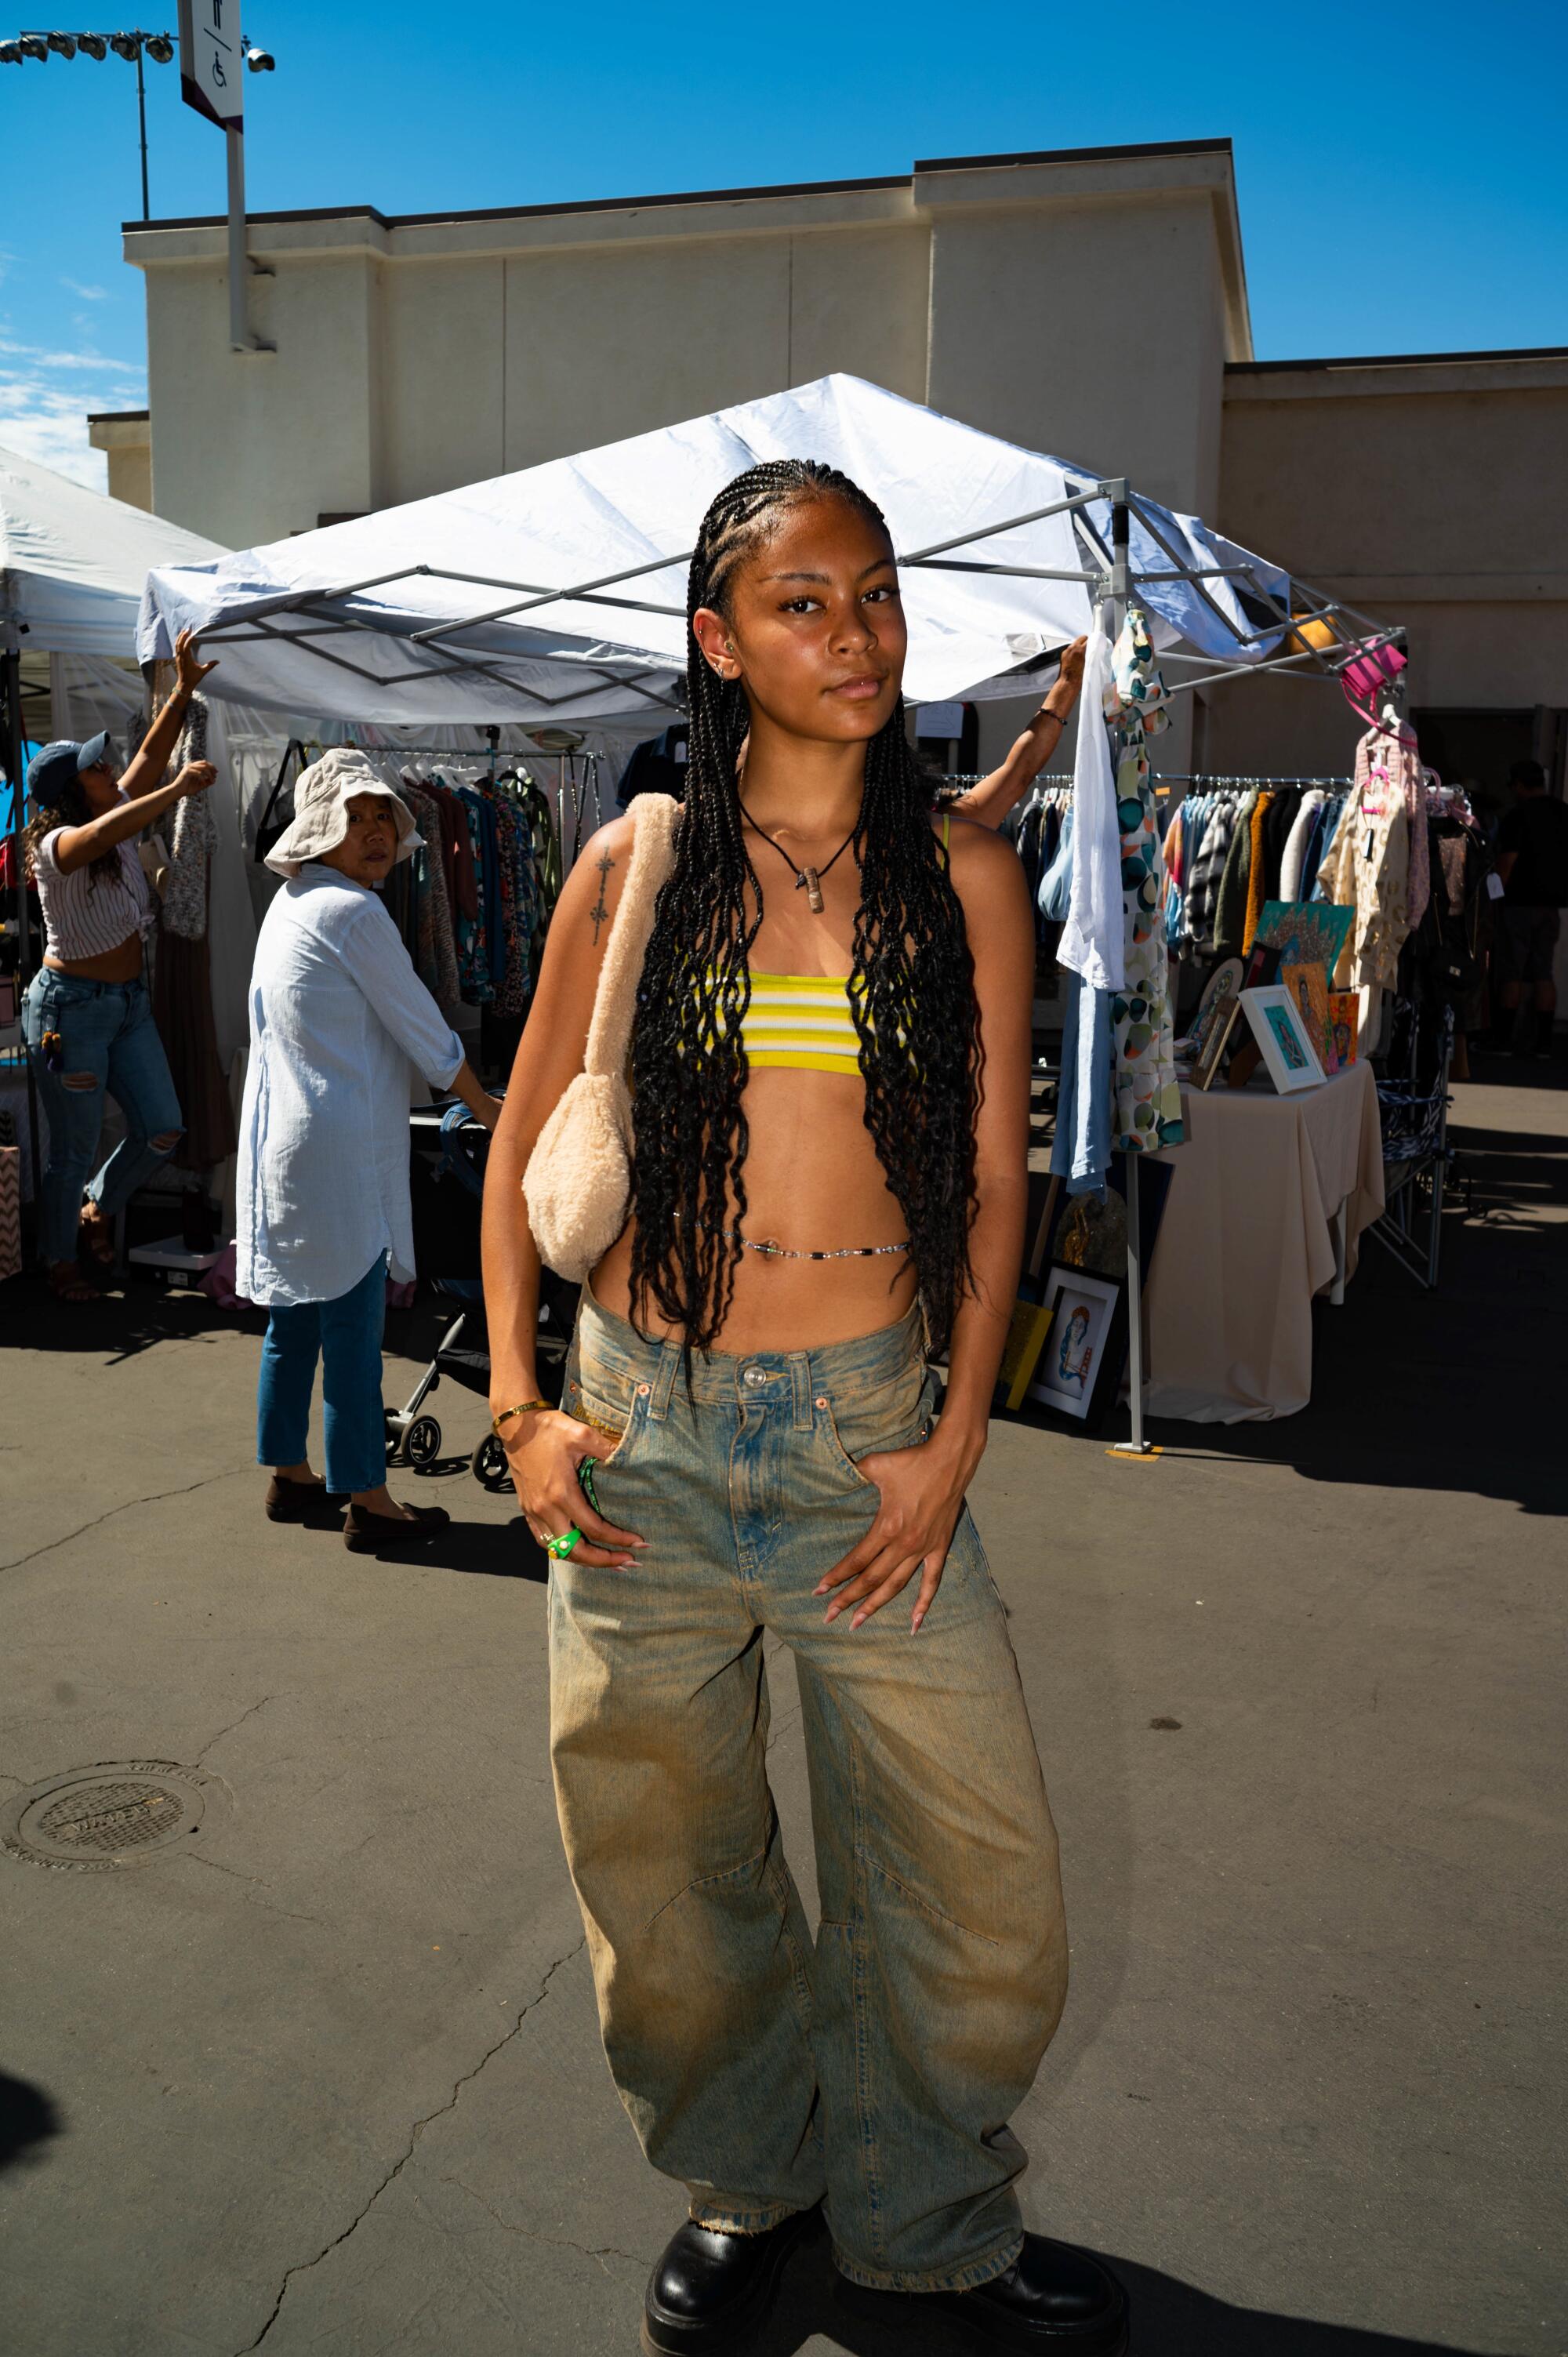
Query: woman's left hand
pixel 187 661
pixel 921 1496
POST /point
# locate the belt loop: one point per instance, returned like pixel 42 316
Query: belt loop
pixel 664 1380
pixel 800 1386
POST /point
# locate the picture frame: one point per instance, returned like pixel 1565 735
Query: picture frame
pixel 1224 986
pixel 1306 932
pixel 1308 985
pixel 1345 1014
pixel 1079 1371
pixel 1283 1039
pixel 1206 1067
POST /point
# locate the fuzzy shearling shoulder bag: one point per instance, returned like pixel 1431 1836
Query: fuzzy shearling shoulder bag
pixel 577 1185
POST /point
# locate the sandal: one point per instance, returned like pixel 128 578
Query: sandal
pixel 68 1284
pixel 96 1238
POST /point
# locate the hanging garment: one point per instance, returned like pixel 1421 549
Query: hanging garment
pixel 1257 869
pixel 1231 898
pixel 182 1010
pixel 1092 943
pixel 436 955
pixel 1295 846
pixel 1366 868
pixel 1383 754
pixel 1080 1149
pixel 1209 865
pixel 473 930
pixel 190 832
pixel 1147 1109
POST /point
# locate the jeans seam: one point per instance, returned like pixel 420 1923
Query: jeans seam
pixel 705 1882
pixel 864 2104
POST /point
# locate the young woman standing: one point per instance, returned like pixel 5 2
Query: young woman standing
pixel 830 1065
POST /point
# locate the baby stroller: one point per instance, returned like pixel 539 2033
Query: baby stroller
pixel 448 1149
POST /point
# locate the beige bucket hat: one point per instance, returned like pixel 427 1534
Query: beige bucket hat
pixel 321 796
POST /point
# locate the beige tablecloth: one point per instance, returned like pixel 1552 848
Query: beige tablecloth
pixel 1246 1242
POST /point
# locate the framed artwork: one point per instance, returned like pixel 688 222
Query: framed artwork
pixel 1345 1016
pixel 1262 967
pixel 1306 932
pixel 1219 991
pixel 1287 1045
pixel 1206 1069
pixel 1079 1371
pixel 1026 1340
pixel 1308 986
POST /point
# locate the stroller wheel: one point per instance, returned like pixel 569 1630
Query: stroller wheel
pixel 488 1463
pixel 422 1442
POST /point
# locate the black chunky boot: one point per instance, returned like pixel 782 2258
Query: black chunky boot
pixel 1052 2299
pixel 709 2289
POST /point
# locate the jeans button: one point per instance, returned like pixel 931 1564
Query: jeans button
pixel 755 1376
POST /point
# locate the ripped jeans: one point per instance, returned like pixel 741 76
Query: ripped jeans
pixel 109 1045
pixel 878 2066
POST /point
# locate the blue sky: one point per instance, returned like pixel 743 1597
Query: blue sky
pixel 1398 182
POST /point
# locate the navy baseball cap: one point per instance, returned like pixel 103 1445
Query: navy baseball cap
pixel 52 772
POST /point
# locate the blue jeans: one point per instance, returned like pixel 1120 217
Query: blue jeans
pixel 879 2067
pixel 346 1335
pixel 109 1045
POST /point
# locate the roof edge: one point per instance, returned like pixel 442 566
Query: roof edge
pixel 1400 359
pixel 131 228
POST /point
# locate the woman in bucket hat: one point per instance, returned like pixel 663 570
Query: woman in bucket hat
pixel 340 1024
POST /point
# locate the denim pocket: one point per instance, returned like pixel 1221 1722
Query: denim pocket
pixel 876 1423
pixel 606 1398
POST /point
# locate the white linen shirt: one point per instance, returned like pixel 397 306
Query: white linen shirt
pixel 339 1025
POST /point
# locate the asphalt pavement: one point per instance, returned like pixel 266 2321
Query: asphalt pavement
pixel 323 2073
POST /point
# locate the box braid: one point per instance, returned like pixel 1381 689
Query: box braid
pixel 911 987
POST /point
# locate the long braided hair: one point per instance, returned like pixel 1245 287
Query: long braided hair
pixel 911 987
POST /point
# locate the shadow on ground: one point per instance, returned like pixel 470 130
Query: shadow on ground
pixel 28 2118
pixel 1170 2319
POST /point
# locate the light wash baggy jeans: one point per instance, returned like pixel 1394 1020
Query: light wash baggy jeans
pixel 879 2069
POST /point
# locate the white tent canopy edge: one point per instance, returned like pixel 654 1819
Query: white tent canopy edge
pixel 1002 550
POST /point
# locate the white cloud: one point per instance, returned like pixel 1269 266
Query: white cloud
pixel 45 400
pixel 87 294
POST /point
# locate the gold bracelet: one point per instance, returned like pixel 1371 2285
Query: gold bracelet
pixel 523 1408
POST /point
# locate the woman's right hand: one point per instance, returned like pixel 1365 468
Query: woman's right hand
pixel 544 1449
pixel 194 778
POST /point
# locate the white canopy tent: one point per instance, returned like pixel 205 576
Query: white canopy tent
pixel 73 570
pixel 557 595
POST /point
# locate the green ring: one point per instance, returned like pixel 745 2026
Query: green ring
pixel 562 1545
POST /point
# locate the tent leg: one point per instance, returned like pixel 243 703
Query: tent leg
pixel 1134 1445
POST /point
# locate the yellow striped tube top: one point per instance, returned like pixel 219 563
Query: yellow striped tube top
pixel 802 1023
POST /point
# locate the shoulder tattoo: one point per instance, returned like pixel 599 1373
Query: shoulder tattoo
pixel 598 912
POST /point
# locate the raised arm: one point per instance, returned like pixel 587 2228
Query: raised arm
pixel 151 758
pixel 989 803
pixel 78 846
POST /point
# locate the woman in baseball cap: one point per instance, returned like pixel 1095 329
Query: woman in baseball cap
pixel 88 1019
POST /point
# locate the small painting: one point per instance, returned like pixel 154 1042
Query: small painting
pixel 1345 1017
pixel 1219 993
pixel 1306 932
pixel 1308 986
pixel 1081 1366
pixel 1287 1046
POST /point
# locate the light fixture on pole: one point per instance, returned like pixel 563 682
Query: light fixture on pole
pixel 39 48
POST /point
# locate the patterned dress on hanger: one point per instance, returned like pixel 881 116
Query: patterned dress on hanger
pixel 1148 1099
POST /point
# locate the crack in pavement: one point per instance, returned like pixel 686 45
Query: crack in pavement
pixel 600 2251
pixel 152 1499
pixel 304 2265
pixel 214 1740
pixel 254 1882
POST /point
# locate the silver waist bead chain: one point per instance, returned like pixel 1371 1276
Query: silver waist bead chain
pixel 783 1252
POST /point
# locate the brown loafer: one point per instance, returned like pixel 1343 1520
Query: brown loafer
pixel 368 1534
pixel 302 1502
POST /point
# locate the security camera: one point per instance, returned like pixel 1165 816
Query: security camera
pixel 261 61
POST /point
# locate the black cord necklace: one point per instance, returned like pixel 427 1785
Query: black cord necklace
pixel 806 879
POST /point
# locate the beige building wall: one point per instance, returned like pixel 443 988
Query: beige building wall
pixel 125 435
pixel 1430 493
pixel 412 356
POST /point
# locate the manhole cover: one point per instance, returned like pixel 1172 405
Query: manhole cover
pixel 121 1813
